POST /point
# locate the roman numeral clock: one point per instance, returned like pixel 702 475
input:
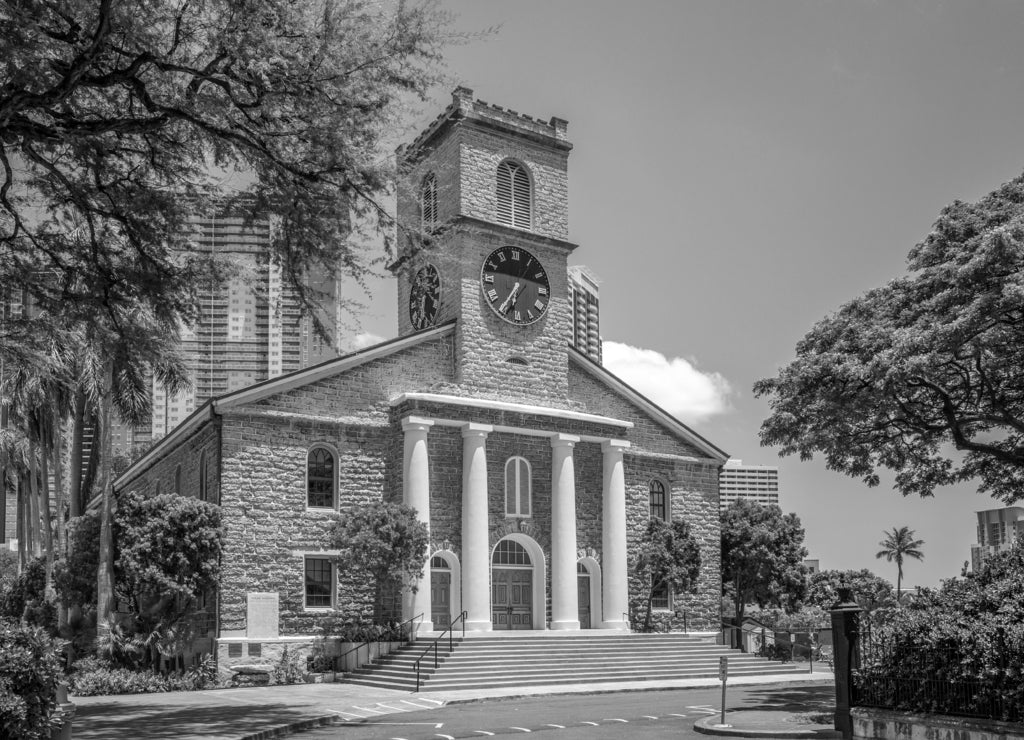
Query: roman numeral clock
pixel 515 285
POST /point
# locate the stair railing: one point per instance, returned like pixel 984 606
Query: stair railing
pixel 366 643
pixel 433 646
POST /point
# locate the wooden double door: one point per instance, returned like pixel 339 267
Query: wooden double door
pixel 512 598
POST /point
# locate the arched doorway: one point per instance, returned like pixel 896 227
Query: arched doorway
pixel 583 586
pixel 511 587
pixel 440 593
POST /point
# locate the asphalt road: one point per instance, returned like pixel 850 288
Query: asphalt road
pixel 638 714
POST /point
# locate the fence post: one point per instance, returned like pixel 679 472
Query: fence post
pixel 845 635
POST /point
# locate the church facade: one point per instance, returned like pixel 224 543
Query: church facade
pixel 535 468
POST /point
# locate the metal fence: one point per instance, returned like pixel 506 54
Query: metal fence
pixel 934 679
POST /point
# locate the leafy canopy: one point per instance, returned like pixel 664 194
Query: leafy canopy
pixel 870 591
pixel 762 556
pixel 667 557
pixel 383 540
pixel 116 118
pixel 930 363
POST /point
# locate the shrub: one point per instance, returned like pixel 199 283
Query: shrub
pixel 287 670
pixel 29 674
pixel 97 677
pixel 26 598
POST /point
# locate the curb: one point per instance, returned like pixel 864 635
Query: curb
pixel 756 727
pixel 293 727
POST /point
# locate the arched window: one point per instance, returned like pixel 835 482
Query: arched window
pixel 320 479
pixel 517 487
pixel 156 490
pixel 177 479
pixel 510 552
pixel 428 201
pixel 514 196
pixel 202 475
pixel 657 499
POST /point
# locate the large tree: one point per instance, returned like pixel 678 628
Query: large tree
pixel 118 118
pixel 924 376
pixel 898 545
pixel 869 590
pixel 762 555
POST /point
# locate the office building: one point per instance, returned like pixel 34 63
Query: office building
pixel 757 483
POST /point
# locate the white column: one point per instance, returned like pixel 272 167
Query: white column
pixel 416 493
pixel 476 560
pixel 614 569
pixel 565 613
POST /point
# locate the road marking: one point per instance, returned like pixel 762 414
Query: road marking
pixel 592 724
pixel 435 725
pixel 393 709
pixel 521 729
pixel 369 709
pixel 414 704
pixel 649 716
pixel 484 732
pixel 704 708
pixel 615 719
pixel 557 727
pixel 445 737
pixel 673 714
pixel 432 701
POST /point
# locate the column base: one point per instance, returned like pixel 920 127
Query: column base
pixel 481 626
pixel 567 624
pixel 615 625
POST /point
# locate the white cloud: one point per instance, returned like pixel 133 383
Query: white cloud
pixel 675 384
pixel 365 339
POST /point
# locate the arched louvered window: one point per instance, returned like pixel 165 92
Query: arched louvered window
pixel 657 499
pixel 428 201
pixel 177 479
pixel 320 478
pixel 514 195
pixel 517 487
pixel 202 475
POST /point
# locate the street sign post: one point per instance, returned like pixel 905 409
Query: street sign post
pixel 723 675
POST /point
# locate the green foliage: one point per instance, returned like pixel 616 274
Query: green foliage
pixel 897 545
pixel 97 677
pixel 667 556
pixel 762 555
pixel 972 629
pixel 29 674
pixel 74 577
pixel 385 541
pixel 933 361
pixel 869 591
pixel 288 669
pixel 8 570
pixel 168 552
pixel 26 600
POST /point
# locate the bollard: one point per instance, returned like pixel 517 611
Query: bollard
pixel 845 634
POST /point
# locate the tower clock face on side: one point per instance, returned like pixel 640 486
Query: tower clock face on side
pixel 515 285
pixel 424 297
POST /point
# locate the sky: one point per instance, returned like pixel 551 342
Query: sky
pixel 740 170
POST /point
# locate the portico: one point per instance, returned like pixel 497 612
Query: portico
pixel 522 583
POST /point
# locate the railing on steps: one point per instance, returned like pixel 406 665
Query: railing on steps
pixel 406 637
pixel 450 632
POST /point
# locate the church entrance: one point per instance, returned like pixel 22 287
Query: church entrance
pixel 511 587
pixel 440 593
pixel 583 595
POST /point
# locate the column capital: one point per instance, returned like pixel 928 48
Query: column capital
pixel 564 440
pixel 472 429
pixel 416 424
pixel 614 445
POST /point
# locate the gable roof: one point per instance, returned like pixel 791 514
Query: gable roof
pixel 273 386
pixel 599 373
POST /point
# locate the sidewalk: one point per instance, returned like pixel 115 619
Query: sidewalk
pixel 275 711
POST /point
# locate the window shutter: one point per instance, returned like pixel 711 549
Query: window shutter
pixel 505 176
pixel 428 201
pixel 521 198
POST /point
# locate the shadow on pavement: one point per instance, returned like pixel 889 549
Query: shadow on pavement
pixel 793 698
pixel 157 721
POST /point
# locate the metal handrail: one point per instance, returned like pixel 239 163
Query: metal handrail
pixel 433 645
pixel 367 643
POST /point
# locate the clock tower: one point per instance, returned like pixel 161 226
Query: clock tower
pixel 483 241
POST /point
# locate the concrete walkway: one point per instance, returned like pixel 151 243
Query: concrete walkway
pixel 275 711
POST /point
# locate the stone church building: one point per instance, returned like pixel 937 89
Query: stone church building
pixel 535 468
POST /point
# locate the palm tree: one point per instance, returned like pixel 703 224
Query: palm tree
pixel 899 544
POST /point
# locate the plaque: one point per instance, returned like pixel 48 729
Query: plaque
pixel 262 615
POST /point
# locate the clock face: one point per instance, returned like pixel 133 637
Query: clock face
pixel 515 285
pixel 424 297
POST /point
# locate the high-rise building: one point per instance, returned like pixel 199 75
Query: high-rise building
pixel 757 483
pixel 998 530
pixel 586 325
pixel 250 326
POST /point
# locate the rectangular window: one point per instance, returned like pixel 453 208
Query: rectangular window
pixel 319 583
pixel 661 597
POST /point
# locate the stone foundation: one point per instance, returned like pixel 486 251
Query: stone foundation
pixel 883 724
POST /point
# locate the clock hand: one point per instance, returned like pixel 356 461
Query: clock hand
pixel 503 308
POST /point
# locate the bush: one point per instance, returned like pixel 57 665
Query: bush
pixel 29 674
pixel 287 670
pixel 97 677
pixel 26 598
